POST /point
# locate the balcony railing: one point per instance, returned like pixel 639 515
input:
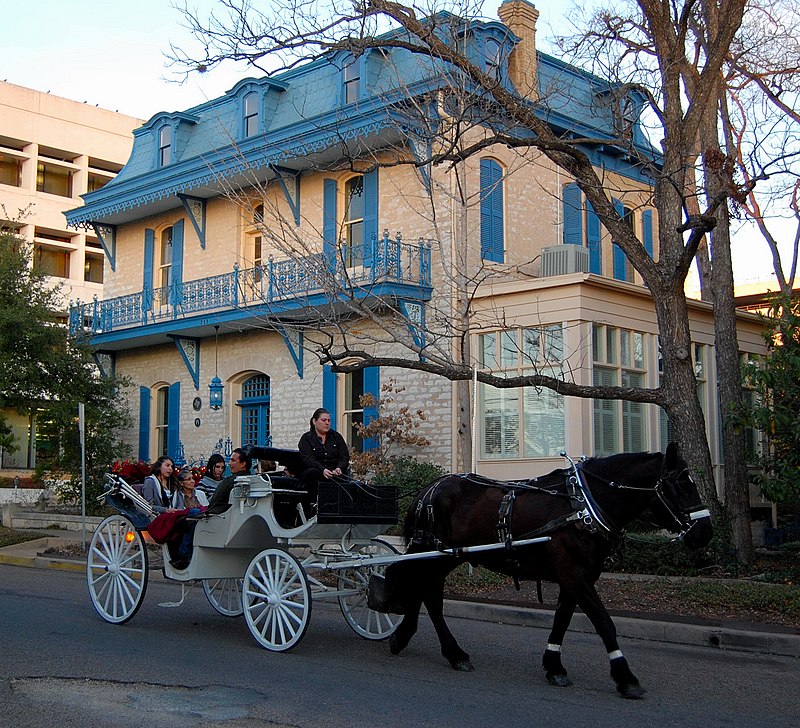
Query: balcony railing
pixel 278 282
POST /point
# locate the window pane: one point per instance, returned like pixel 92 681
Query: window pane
pixel 554 343
pixel 625 348
pixel 510 350
pixel 53 180
pixel 638 351
pixel 489 351
pixel 10 171
pixel 531 346
pixel 543 415
pixel 597 342
pixel 500 422
pixel 611 345
pixel 605 415
pixel 93 269
pixel 50 262
pixel 633 420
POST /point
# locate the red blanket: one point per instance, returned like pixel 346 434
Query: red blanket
pixel 161 528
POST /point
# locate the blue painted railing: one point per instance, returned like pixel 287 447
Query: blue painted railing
pixel 349 267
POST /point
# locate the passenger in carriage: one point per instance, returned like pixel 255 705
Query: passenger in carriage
pixel 240 464
pixel 215 469
pixel 324 451
pixel 188 494
pixel 160 486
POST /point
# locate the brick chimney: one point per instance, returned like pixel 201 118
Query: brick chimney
pixel 520 18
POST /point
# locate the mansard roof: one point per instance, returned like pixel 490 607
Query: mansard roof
pixel 306 124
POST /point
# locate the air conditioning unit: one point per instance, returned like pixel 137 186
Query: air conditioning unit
pixel 559 260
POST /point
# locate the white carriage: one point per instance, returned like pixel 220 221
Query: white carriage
pixel 250 563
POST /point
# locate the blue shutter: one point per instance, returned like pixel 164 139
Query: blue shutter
pixel 147 282
pixel 176 270
pixel 372 385
pixel 593 236
pixel 573 215
pixel 329 391
pixel 619 257
pixel 329 222
pixel 491 181
pixel 173 419
pixel 647 231
pixel 370 216
pixel 144 424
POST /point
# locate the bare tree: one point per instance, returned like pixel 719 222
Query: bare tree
pixel 481 113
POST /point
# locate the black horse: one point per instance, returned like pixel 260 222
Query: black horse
pixel 583 509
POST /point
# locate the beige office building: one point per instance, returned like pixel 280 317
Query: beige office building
pixel 52 151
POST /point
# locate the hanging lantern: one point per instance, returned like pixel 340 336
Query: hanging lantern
pixel 215 388
pixel 215 394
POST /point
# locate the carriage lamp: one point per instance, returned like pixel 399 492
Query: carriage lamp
pixel 215 394
pixel 130 536
pixel 215 388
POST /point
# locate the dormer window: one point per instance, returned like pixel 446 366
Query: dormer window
pixel 251 114
pixel 164 146
pixel 352 81
pixel 492 58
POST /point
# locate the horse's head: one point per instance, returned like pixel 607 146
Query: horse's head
pixel 678 507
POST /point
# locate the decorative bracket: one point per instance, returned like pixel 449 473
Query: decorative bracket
pixel 289 180
pixel 294 343
pixel 106 363
pixel 107 235
pixel 421 149
pixel 415 317
pixel 190 353
pixel 196 210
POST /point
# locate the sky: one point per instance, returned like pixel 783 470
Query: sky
pixel 111 53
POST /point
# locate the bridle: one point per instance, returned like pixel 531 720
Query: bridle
pixel 593 517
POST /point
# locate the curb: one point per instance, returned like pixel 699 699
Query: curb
pixel 632 628
pixel 716 637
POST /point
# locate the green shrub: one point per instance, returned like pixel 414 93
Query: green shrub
pixel 660 555
pixel 410 476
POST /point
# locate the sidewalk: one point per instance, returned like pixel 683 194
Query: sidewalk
pixel 725 638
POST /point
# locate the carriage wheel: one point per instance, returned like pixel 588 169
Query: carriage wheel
pixel 225 596
pixel 276 599
pixel 366 622
pixel 116 569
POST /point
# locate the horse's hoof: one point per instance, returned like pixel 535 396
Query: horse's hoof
pixel 633 691
pixel 560 681
pixel 463 666
pixel 396 646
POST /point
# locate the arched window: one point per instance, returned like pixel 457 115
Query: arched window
pixel 165 258
pixel 492 58
pixel 164 146
pixel 255 410
pixel 492 237
pixel 251 114
pixel 353 222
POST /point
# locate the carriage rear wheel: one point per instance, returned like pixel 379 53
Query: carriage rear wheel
pixel 116 569
pixel 276 599
pixel 364 621
pixel 225 596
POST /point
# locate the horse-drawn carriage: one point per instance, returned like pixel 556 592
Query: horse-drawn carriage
pixel 266 556
pixel 559 527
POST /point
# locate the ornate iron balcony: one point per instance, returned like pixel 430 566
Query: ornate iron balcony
pixel 372 269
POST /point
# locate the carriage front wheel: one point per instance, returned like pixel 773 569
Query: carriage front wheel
pixel 116 569
pixel 225 595
pixel 276 599
pixel 369 624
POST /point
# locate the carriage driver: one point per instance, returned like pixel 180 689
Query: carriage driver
pixel 324 451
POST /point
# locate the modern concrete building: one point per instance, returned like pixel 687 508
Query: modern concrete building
pixel 52 151
pixel 244 235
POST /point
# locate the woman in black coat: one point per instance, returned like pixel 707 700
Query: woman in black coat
pixel 324 451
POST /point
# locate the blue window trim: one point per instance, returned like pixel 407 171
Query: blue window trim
pixel 620 261
pixel 329 222
pixel 176 269
pixel 174 419
pixel 147 272
pixel 571 199
pixel 329 387
pixel 647 231
pixel 372 385
pixel 492 223
pixel 144 423
pixel 261 403
pixel 593 237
